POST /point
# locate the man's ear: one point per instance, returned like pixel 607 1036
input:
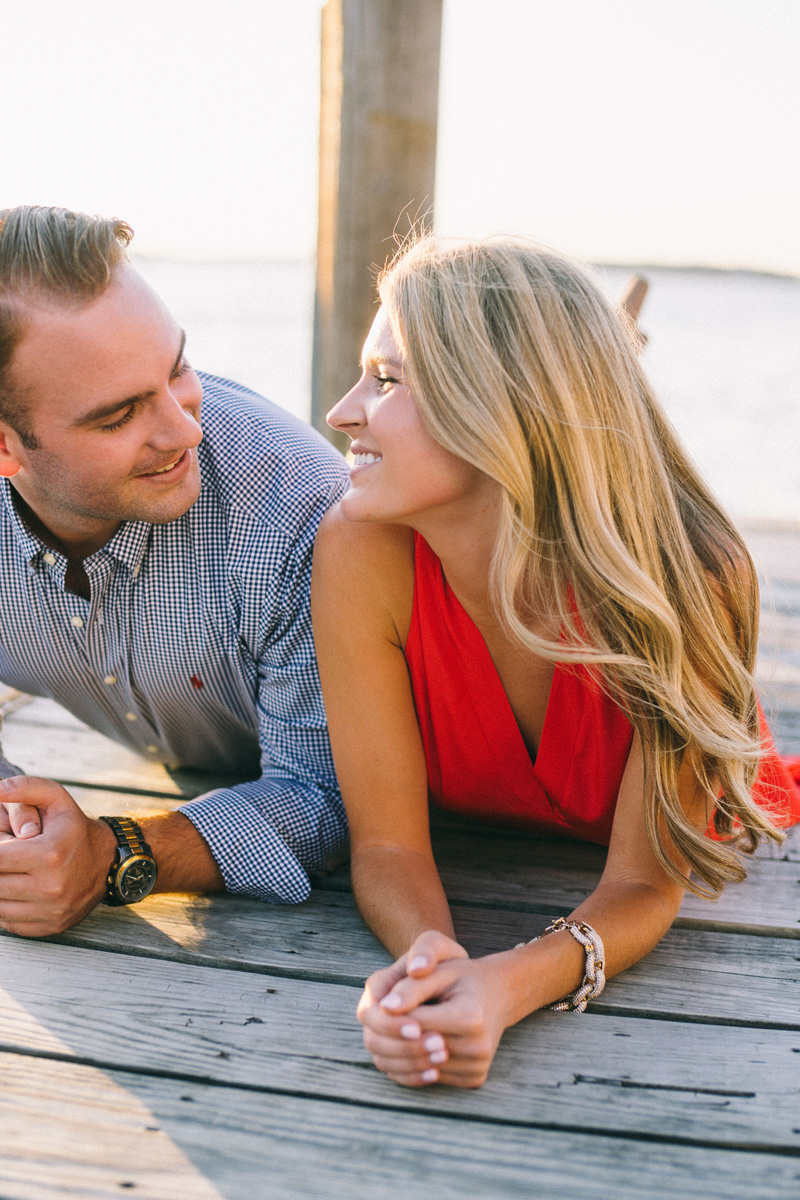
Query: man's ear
pixel 9 451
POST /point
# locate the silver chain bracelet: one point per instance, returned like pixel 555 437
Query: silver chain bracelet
pixel 594 979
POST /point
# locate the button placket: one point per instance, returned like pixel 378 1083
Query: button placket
pixel 117 610
pixel 78 620
pixel 103 647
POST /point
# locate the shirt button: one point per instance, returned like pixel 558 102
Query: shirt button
pixel 131 717
pixel 50 559
pixel 152 749
pixel 109 679
pixel 77 622
pixel 136 570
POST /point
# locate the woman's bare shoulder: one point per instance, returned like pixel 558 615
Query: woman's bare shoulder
pixel 366 567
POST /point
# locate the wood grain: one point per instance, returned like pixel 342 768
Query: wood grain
pixel 549 876
pixel 696 1082
pixel 691 974
pixel 537 877
pixel 189 1141
pixel 44 739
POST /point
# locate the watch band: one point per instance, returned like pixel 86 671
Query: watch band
pixel 129 833
pixel 132 851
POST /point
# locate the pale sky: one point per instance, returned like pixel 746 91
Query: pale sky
pixel 613 129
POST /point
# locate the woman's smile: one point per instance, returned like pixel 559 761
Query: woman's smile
pixel 365 458
pixel 417 473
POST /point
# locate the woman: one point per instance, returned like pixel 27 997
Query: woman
pixel 530 607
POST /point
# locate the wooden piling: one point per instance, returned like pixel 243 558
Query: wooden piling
pixel 379 99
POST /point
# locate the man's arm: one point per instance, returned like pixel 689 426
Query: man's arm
pixel 53 873
pixel 263 838
pixel 270 835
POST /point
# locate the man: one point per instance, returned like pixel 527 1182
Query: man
pixel 155 584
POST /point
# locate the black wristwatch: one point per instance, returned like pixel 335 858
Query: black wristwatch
pixel 133 873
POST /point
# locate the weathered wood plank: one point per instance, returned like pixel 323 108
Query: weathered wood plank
pixel 543 876
pixel 536 876
pixel 44 739
pixel 77 1131
pixel 777 555
pixel 705 1083
pixel 72 1130
pixel 378 108
pixel 529 873
pixel 692 974
pixel 789 851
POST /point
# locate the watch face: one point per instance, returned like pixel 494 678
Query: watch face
pixel 136 878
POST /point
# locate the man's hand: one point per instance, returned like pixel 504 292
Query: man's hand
pixel 18 821
pixel 53 859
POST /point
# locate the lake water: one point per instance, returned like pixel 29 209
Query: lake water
pixel 723 355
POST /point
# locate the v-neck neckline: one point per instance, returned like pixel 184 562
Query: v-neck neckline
pixel 534 763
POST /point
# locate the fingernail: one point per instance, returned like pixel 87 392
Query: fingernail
pixel 434 1042
pixel 431 1075
pixel 439 1057
pixel 29 829
pixel 391 1001
pixel 410 1031
pixel 418 962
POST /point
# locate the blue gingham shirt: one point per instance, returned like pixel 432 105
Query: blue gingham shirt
pixel 195 647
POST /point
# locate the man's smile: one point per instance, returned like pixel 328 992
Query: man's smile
pixel 170 469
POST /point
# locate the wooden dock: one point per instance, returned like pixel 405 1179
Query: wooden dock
pixel 199 1048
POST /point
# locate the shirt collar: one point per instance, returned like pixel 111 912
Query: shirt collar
pixel 127 546
pixel 30 545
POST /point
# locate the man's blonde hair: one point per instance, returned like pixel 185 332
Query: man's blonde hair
pixel 520 366
pixel 49 255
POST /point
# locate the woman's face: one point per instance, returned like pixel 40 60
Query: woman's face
pixel 399 471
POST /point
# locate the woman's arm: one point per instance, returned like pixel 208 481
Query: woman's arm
pixel 469 1003
pixel 361 597
pixel 361 602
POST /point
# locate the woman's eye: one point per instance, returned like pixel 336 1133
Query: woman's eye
pixel 382 382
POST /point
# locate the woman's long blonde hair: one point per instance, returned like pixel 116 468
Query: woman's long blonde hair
pixel 521 366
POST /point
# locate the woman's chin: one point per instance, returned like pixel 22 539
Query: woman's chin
pixel 354 506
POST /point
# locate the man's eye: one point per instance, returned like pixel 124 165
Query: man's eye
pixel 181 369
pixel 123 420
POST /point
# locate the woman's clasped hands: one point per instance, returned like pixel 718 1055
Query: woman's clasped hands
pixel 435 1015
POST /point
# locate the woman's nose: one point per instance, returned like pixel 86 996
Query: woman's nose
pixel 348 413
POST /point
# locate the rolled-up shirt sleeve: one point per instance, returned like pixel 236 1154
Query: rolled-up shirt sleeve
pixel 270 836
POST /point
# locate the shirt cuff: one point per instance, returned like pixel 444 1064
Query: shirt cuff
pixel 247 829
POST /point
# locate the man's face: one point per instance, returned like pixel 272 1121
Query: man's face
pixel 111 402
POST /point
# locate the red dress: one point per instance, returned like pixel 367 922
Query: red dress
pixel 478 763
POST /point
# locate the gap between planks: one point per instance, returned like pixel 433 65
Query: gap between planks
pixel 647 1136
pixel 303 1039
pixel 176 1142
pixel 507 870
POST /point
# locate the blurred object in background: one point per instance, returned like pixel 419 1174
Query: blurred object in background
pixel 723 356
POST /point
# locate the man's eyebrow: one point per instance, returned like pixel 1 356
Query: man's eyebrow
pixel 107 410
